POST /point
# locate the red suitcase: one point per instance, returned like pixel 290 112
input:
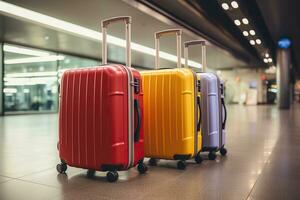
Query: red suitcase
pixel 101 115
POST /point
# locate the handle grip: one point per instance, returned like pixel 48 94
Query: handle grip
pixel 139 121
pixel 193 42
pixel 157 35
pixel 167 32
pixel 203 49
pixel 104 25
pixel 225 112
pixel 106 22
pixel 199 119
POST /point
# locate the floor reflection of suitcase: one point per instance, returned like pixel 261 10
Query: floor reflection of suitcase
pixel 213 110
pixel 171 111
pixel 100 116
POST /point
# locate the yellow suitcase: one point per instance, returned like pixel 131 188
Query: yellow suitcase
pixel 171 111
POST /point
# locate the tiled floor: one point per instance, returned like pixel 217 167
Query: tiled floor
pixel 263 162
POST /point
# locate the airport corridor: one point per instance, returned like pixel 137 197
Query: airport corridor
pixel 263 145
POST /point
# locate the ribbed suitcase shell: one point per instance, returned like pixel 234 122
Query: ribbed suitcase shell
pixel 170 113
pixel 93 118
pixel 211 119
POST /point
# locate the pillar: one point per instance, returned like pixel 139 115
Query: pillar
pixel 283 78
pixel 1 79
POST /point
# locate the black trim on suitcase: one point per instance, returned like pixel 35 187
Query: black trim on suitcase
pixel 108 167
pixel 209 149
pixel 182 157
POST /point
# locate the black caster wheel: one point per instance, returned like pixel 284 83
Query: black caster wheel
pixel 152 162
pixel 223 151
pixel 142 168
pixel 112 176
pixel 198 159
pixel 181 165
pixel 212 155
pixel 61 168
pixel 91 173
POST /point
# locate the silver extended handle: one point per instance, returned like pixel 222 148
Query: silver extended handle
pixel 104 24
pixel 203 49
pixel 178 33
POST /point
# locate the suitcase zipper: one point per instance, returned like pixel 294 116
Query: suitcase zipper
pixel 130 118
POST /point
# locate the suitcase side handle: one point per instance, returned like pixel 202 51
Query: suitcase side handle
pixel 104 25
pixel 225 113
pixel 139 121
pixel 203 50
pixel 199 119
pixel 157 36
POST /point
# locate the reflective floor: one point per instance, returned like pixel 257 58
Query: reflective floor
pixel 263 162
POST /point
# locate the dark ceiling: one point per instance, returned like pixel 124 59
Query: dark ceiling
pixel 271 19
pixel 282 18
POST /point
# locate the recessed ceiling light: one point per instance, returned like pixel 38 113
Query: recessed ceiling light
pixel 270 60
pixel 258 41
pixel 225 6
pixel 245 33
pixel 237 22
pixel 267 55
pixel 46 37
pixel 252 42
pixel 252 32
pixel 234 4
pixel 245 21
pixel 266 60
pixel 23 50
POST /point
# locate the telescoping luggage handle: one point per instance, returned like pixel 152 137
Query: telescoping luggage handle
pixel 105 23
pixel 127 21
pixel 203 49
pixel 178 33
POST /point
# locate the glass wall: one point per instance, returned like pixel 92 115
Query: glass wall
pixel 31 78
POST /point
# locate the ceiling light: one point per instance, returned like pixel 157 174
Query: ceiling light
pixel 245 21
pixel 10 90
pixel 29 81
pixel 266 60
pixel 33 59
pixel 225 6
pixel 237 22
pixel 57 24
pixel 23 50
pixel 270 60
pixel 252 42
pixel 267 55
pixel 258 41
pixel 245 33
pixel 26 90
pixel 31 74
pixel 252 32
pixel 234 4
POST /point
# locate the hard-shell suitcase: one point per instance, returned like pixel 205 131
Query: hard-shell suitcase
pixel 213 110
pixel 171 111
pixel 101 115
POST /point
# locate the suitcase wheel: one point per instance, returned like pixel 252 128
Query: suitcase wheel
pixel 152 162
pixel 142 168
pixel 181 164
pixel 61 168
pixel 223 151
pixel 198 159
pixel 91 173
pixel 112 176
pixel 212 155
